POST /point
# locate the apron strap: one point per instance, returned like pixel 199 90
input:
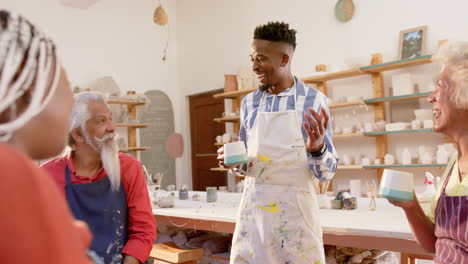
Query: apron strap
pixel 442 190
pixel 67 176
pixel 447 177
pixel 262 103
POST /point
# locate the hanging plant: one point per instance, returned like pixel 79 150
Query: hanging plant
pixel 160 16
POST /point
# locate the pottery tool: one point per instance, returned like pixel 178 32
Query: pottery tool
pixel 147 176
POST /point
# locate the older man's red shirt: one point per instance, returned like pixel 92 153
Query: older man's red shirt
pixel 141 223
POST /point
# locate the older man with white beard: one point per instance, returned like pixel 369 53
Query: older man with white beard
pixel 103 187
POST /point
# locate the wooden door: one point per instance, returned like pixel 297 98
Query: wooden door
pixel 203 130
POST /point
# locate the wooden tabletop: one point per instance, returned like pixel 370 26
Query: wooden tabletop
pixel 385 229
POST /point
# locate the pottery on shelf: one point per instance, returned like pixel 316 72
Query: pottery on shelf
pixel 230 83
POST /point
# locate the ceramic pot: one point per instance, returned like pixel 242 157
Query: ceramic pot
pixel 230 83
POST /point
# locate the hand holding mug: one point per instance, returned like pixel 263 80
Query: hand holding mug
pixel 220 159
pixel 406 205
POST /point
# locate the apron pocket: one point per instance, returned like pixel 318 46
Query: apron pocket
pixel 307 204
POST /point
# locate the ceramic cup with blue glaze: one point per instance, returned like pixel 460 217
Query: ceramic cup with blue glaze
pixel 235 153
pixel 397 185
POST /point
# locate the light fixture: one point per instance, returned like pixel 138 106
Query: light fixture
pixel 81 4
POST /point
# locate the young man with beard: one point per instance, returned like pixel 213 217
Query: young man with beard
pixel 103 187
pixel 285 127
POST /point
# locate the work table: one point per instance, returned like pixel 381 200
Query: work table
pixel 386 228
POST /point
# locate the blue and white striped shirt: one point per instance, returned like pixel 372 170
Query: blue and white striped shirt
pixel 324 167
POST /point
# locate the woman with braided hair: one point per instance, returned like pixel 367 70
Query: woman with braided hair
pixel 36 225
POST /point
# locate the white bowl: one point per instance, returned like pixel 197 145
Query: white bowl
pixel 350 99
pixel 423 114
pixel 428 123
pixel 356 62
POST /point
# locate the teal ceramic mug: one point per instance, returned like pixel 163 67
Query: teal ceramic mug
pixel 397 185
pixel 235 153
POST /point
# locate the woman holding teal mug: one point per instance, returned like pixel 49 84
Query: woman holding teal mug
pixel 444 230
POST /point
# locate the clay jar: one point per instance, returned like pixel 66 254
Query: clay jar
pixel 230 83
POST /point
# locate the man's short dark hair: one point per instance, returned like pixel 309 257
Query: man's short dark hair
pixel 277 32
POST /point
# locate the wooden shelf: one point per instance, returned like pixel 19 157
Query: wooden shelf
pixel 349 167
pixel 377 133
pixel 346 104
pixel 219 144
pixel 381 100
pixel 404 166
pixel 227 119
pixel 134 149
pixel 393 65
pixel 219 169
pixel 135 125
pixel 333 76
pixel 231 95
pixel 124 101
pixel 396 98
pixel 347 135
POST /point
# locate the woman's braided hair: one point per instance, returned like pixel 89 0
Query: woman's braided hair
pixel 27 58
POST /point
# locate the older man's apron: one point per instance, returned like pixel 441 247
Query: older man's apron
pixel 278 218
pixel 104 211
pixel 451 228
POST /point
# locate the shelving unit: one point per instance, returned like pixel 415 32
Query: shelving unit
pixel 219 169
pixel 333 76
pixel 227 119
pixel 134 125
pixel 378 100
pixel 404 166
pixel 235 94
pixel 349 167
pixel 132 148
pixel 398 64
pixel 396 98
pixel 346 104
pixel 377 133
pixel 124 101
pixel 347 135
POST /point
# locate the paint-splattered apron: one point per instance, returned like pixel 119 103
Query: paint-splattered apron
pixel 451 228
pixel 104 211
pixel 278 218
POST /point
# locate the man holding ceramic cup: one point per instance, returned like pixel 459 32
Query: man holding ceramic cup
pixel 286 128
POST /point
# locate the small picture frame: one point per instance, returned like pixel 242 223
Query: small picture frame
pixel 412 42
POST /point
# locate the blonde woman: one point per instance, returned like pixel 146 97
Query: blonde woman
pixel 444 231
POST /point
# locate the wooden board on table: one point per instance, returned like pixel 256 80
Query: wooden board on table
pixel 171 253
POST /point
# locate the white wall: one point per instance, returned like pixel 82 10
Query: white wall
pixel 214 38
pixel 113 37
